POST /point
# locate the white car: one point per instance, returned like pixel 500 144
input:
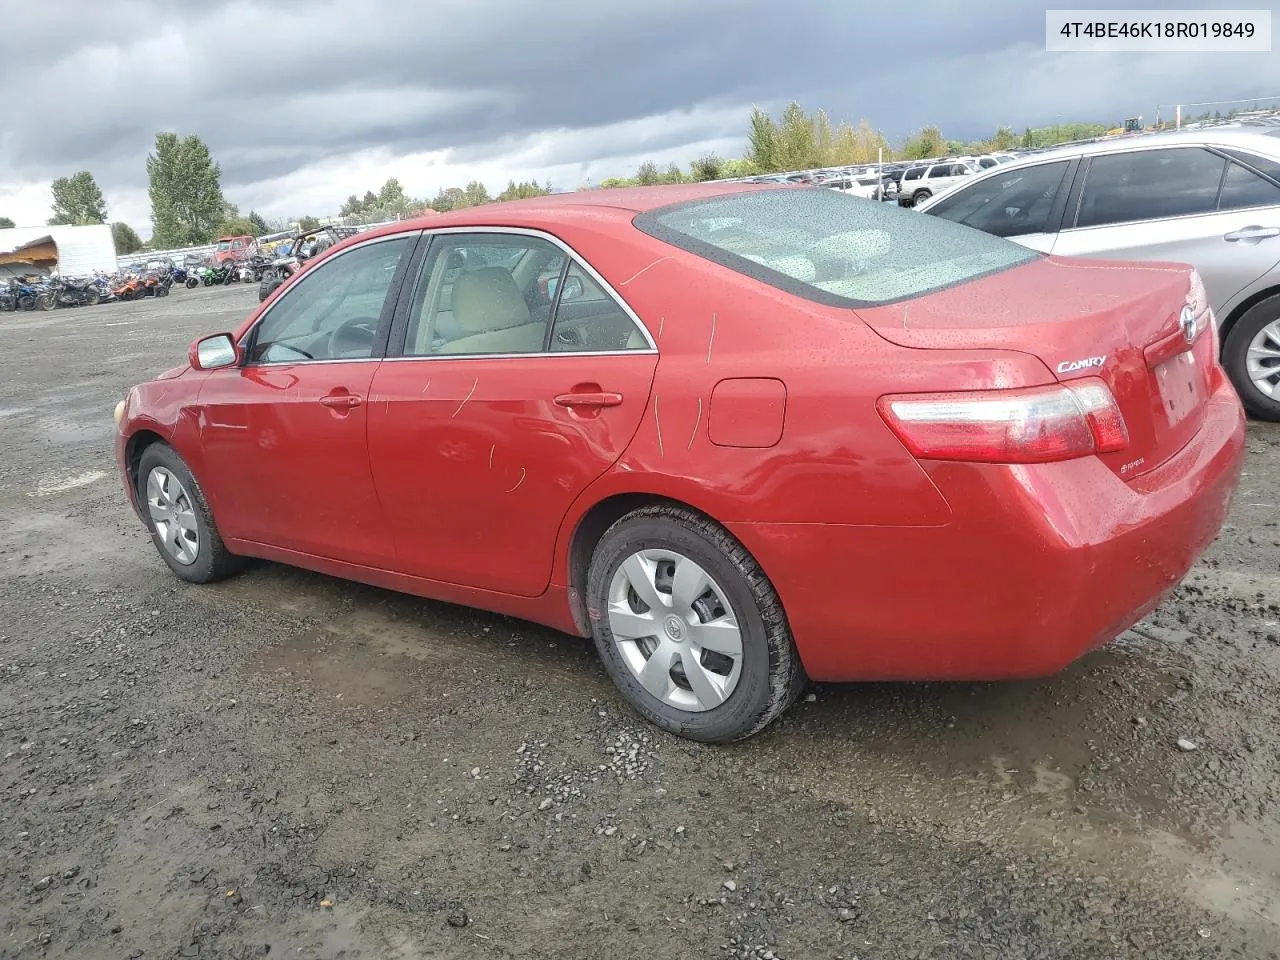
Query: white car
pixel 919 184
pixel 1209 197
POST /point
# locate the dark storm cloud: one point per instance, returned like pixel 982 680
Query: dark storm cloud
pixel 274 86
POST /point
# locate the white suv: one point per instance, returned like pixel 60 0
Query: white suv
pixel 919 184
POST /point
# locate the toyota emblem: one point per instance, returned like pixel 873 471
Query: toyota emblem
pixel 1188 323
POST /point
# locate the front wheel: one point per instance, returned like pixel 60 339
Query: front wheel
pixel 1251 357
pixel 268 286
pixel 688 626
pixel 27 302
pixel 182 528
pixel 192 283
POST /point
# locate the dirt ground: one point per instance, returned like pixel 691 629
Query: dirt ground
pixel 289 765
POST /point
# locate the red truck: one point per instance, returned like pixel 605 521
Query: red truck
pixel 232 248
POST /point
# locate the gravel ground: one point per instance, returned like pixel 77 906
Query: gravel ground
pixel 285 764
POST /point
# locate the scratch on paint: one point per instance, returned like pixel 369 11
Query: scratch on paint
pixel 642 270
pixel 662 322
pixel 694 435
pixel 466 398
pixel 518 482
pixel 658 423
pixel 713 337
pixel 491 450
pixel 426 386
pixel 905 308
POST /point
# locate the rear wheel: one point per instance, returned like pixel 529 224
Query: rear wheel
pixel 92 296
pixel 193 282
pixel 182 528
pixel 268 286
pixel 688 626
pixel 919 197
pixel 1251 356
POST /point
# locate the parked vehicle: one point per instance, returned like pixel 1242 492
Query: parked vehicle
pixel 230 249
pixel 129 288
pixel 224 273
pixel 9 296
pixel 304 246
pixel 935 178
pixel 678 491
pixel 1210 198
pixel 76 293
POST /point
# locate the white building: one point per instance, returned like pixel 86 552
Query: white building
pixel 73 251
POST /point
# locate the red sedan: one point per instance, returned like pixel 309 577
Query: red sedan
pixel 737 435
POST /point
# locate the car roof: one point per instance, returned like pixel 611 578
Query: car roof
pixel 618 203
pixel 1261 139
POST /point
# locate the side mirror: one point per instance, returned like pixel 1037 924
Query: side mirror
pixel 212 353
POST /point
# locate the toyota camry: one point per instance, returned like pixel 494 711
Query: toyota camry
pixel 738 435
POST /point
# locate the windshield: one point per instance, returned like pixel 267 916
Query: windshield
pixel 832 247
pixel 224 244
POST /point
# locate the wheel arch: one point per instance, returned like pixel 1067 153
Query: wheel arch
pixel 1243 307
pixel 591 526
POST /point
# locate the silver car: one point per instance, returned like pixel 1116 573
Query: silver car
pixel 1210 198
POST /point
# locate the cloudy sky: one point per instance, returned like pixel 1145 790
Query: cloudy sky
pixel 306 101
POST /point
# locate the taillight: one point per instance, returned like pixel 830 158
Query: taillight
pixel 1031 425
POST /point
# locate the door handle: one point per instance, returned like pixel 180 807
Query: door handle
pixel 598 398
pixel 1252 232
pixel 341 401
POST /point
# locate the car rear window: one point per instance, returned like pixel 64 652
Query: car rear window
pixel 831 247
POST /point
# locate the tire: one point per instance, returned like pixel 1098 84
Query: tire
pixel 27 303
pixel 127 295
pixel 46 301
pixel 204 557
pixel 769 676
pixel 1259 326
pixel 192 283
pixel 92 296
pixel 919 197
pixel 268 287
pixel 162 290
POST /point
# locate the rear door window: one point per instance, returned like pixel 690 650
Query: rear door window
pixel 1243 188
pixel 1150 185
pixel 1011 203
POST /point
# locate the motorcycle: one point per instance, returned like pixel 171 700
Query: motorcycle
pixel 76 293
pixel 9 297
pixel 130 288
pixel 216 276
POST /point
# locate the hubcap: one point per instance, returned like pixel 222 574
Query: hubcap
pixel 675 629
pixel 1263 360
pixel 173 515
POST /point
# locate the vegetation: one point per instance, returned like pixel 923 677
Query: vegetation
pixel 187 206
pixel 6 223
pixel 77 200
pixel 127 241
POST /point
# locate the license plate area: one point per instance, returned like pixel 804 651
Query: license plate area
pixel 1183 384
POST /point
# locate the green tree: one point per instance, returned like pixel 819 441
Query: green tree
pixel 823 141
pixel 77 200
pixel 126 240
pixel 392 196
pixel 795 144
pixel 186 191
pixel 6 223
pixel 762 138
pixel 647 174
pixel 1005 139
pixel 259 223
pixel 709 166
pixel 476 194
pixel 308 223
pixel 673 174
pixel 449 198
pixel 521 190
pixel 352 207
pixel 927 143
pixel 1028 140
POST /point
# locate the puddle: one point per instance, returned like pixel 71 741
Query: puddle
pixel 1245 881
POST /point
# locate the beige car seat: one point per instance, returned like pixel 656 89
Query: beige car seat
pixel 492 316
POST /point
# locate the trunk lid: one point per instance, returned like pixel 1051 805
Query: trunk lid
pixel 1084 318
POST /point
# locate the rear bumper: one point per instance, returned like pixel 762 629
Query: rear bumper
pixel 1040 565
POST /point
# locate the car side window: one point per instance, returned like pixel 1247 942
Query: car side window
pixel 1011 203
pixel 589 320
pixel 332 312
pixel 913 174
pixel 941 170
pixel 1243 188
pixel 483 294
pixel 1150 185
